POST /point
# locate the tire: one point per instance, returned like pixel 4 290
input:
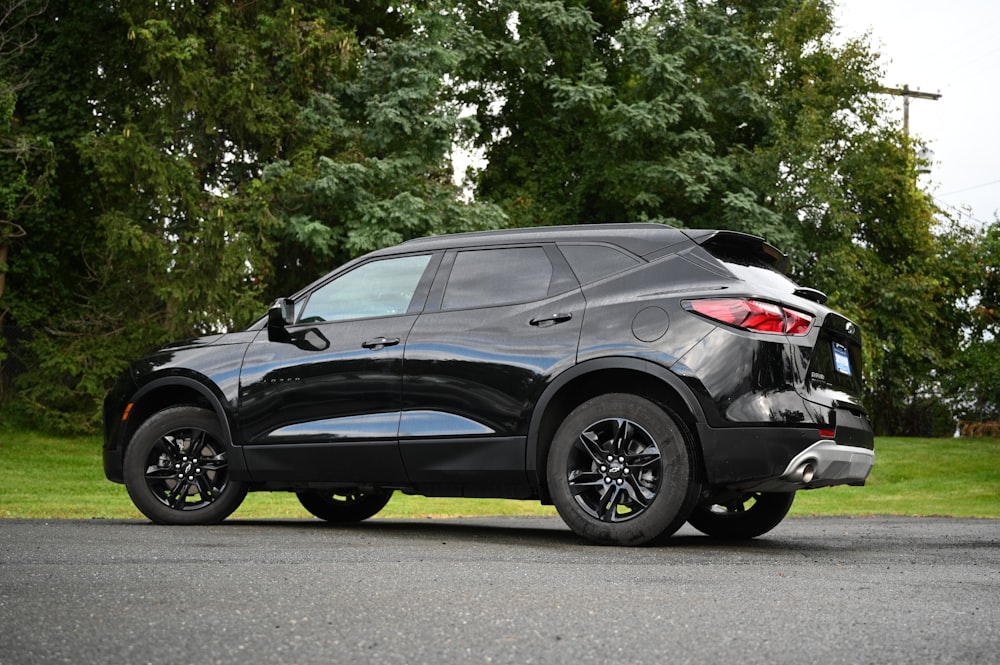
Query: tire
pixel 176 469
pixel 621 471
pixel 747 516
pixel 342 506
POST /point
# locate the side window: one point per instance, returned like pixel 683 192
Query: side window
pixel 592 262
pixel 379 288
pixel 485 277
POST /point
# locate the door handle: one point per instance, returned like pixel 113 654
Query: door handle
pixel 380 342
pixel 546 321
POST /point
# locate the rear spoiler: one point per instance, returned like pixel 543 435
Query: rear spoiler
pixel 740 248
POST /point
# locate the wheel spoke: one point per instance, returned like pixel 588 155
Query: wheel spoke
pixel 641 495
pixel 178 495
pixel 590 443
pixel 585 481
pixel 643 460
pixel 607 509
pixel 172 447
pixel 739 505
pixel 197 442
pixel 208 494
pixel 214 463
pixel 156 472
pixel 622 437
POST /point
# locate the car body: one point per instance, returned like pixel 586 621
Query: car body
pixel 635 375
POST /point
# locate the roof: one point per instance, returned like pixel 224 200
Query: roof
pixel 639 239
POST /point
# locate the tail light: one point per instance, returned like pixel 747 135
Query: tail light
pixel 753 315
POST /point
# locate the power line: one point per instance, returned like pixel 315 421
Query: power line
pixel 969 189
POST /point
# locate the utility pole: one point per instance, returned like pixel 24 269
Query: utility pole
pixel 906 94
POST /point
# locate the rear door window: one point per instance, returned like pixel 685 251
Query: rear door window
pixel 487 277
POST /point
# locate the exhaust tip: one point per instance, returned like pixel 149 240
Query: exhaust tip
pixel 807 472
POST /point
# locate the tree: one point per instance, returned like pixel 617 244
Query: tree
pixel 25 160
pixel 209 159
pixel 973 382
pixel 199 163
pixel 745 115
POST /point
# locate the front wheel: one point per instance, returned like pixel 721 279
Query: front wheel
pixel 176 469
pixel 344 505
pixel 743 517
pixel 621 470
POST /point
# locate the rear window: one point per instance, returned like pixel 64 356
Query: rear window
pixel 760 275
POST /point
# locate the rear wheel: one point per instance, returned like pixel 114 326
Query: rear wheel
pixel 746 516
pixel 621 471
pixel 176 469
pixel 344 505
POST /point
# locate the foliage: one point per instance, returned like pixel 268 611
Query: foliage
pixel 740 115
pixel 973 383
pixel 208 160
pixel 25 159
pixel 201 159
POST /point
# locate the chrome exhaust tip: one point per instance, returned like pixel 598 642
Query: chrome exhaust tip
pixel 803 473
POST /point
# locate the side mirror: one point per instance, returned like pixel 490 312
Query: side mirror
pixel 281 314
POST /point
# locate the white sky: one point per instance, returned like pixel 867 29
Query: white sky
pixel 951 48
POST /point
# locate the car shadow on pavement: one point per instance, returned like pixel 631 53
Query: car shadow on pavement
pixel 533 531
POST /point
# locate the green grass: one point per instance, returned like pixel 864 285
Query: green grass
pixel 46 477
pixel 953 477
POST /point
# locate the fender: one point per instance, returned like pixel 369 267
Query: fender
pixel 216 401
pixel 628 363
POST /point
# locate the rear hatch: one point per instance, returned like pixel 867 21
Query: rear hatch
pixel 832 377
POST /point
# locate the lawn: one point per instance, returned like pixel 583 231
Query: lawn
pixel 47 477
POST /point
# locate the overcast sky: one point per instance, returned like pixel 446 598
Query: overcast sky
pixel 951 48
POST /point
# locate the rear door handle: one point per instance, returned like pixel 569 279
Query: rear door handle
pixel 380 342
pixel 546 321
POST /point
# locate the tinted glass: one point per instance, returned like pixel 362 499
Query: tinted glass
pixel 379 288
pixel 592 262
pixel 761 276
pixel 486 277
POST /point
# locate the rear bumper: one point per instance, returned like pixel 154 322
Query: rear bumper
pixel 823 464
pixel 784 459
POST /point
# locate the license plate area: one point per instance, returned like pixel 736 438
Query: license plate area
pixel 841 359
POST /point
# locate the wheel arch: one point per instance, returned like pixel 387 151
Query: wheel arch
pixel 175 390
pixel 600 376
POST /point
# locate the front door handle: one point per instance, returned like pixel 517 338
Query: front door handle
pixel 380 342
pixel 546 321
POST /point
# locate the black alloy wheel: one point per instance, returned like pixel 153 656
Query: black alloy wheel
pixel 621 471
pixel 343 505
pixel 176 469
pixel 746 516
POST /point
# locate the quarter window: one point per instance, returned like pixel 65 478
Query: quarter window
pixel 592 262
pixel 481 278
pixel 379 288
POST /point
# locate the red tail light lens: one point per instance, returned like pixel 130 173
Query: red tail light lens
pixel 753 315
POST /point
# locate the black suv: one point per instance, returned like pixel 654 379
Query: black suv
pixel 637 376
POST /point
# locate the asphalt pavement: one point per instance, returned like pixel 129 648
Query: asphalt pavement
pixel 500 590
